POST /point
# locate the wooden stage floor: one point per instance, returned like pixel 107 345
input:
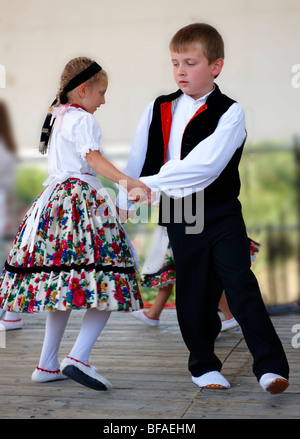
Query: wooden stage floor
pixel 148 369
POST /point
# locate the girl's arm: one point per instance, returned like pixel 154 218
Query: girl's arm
pixel 136 189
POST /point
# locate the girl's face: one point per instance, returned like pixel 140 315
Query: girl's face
pixel 94 95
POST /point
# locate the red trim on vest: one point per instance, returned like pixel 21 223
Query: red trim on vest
pixel 166 122
pixel 200 110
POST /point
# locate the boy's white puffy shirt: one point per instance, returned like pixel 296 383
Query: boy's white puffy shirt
pixel 202 166
pixel 74 134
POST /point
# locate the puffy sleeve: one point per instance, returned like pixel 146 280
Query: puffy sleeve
pixel 87 135
pixel 203 165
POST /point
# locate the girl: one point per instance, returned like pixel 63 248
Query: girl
pixel 71 251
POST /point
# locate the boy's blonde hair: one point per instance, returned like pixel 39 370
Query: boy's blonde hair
pixel 202 34
pixel 72 69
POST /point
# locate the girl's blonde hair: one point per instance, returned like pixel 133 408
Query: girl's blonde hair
pixel 74 73
pixel 73 68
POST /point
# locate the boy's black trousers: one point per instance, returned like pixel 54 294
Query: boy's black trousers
pixel 206 263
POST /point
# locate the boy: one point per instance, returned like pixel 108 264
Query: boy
pixel 193 139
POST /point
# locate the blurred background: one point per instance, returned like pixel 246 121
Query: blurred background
pixel 130 40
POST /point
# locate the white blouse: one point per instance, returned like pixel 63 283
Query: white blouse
pixel 75 132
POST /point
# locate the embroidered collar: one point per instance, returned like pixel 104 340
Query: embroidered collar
pixel 78 106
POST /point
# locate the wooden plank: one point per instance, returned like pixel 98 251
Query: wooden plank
pixel 148 369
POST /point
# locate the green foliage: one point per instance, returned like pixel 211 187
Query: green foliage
pixel 29 183
pixel 269 191
pixel 269 197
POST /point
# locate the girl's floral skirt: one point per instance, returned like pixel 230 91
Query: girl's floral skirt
pixel 159 268
pixel 81 258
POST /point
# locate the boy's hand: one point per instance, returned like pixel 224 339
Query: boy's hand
pixel 139 192
pixel 138 195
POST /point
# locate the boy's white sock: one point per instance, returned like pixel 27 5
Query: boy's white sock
pixel 211 380
pixel 273 383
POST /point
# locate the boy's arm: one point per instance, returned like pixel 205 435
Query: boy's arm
pixel 206 161
pixel 139 146
pixel 137 156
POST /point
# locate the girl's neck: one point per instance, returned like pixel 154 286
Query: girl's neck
pixel 77 106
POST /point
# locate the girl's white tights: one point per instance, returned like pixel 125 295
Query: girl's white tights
pixel 55 327
pixel 92 324
pixel 10 315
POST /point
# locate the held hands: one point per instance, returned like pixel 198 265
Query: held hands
pixel 136 192
pixel 139 192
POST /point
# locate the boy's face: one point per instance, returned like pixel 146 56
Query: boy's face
pixel 192 73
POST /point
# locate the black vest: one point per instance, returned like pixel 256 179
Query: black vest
pixel 227 185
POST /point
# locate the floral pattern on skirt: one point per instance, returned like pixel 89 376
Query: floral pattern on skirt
pixel 166 275
pixel 81 258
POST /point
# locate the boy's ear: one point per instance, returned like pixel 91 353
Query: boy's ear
pixel 218 65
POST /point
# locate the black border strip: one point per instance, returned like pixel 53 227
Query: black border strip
pixel 67 268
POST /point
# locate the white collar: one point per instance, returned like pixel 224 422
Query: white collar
pixel 198 101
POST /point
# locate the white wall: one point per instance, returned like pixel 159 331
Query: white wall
pixel 130 40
